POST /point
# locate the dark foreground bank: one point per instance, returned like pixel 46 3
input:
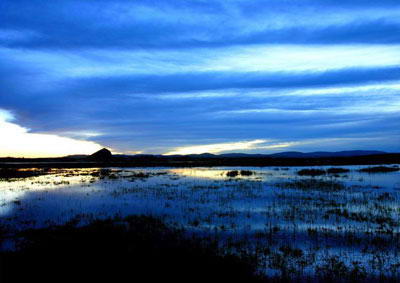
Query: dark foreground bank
pixel 134 249
pixel 144 249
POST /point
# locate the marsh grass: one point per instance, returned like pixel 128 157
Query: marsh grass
pixel 313 185
pixel 380 169
pixel 291 228
pixel 337 170
pixel 135 248
pixel 14 173
pixel 311 172
pixel 235 173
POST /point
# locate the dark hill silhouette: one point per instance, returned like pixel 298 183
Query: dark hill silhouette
pixel 101 155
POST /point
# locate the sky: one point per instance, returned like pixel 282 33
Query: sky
pixel 181 77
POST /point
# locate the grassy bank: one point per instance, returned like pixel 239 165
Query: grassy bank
pixel 133 249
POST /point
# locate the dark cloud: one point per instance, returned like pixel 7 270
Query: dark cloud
pixel 202 81
pixel 189 24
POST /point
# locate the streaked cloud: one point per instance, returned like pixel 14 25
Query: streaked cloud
pixel 189 76
pixel 240 146
pixel 272 59
pixel 217 148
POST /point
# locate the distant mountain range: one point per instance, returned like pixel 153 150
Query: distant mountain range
pixel 106 154
pixel 290 158
pixel 348 153
pixel 287 154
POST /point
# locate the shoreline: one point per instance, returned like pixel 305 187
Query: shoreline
pixel 156 161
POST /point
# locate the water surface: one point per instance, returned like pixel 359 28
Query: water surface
pixel 353 215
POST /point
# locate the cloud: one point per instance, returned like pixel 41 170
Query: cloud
pixel 269 59
pixel 190 24
pixel 202 81
pixel 16 141
pixel 151 76
pixel 217 148
pixel 149 122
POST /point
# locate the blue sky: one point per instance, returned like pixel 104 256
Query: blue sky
pixel 194 76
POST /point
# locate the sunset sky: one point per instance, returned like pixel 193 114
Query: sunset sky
pixel 178 77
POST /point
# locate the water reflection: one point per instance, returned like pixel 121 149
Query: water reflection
pixel 216 173
pixel 273 205
pixel 200 173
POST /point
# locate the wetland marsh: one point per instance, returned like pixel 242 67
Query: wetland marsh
pixel 295 222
